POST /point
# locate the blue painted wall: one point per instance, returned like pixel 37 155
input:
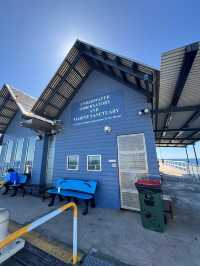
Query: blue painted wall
pixel 15 131
pixel 91 139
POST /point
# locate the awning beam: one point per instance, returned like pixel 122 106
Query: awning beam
pixel 170 145
pixel 123 78
pixel 111 63
pixel 171 139
pixel 189 56
pixel 192 118
pixel 126 83
pixel 177 109
pixel 177 129
pixel 62 80
pixel 192 135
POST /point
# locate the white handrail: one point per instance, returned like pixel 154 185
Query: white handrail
pixel 188 168
pixel 28 228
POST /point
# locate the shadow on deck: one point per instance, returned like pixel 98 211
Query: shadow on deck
pixel 185 191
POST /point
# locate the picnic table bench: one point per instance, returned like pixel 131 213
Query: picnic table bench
pixel 21 183
pixel 76 189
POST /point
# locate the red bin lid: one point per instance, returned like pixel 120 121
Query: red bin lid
pixel 149 182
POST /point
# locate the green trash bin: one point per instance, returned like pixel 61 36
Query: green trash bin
pixel 151 204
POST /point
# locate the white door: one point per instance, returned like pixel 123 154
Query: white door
pixel 132 160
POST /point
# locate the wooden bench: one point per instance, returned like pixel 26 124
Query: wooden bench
pixel 76 189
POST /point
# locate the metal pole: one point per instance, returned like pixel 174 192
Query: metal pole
pixel 187 159
pixel 197 163
pixel 75 248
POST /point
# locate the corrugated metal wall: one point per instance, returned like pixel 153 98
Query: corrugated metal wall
pixel 90 138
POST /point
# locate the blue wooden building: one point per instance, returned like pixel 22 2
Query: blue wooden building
pixel 92 121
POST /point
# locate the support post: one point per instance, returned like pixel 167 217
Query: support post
pixel 188 161
pixel 197 163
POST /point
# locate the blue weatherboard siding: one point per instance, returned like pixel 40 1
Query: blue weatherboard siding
pixel 15 131
pixel 90 139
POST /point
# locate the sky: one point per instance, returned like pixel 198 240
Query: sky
pixel 36 35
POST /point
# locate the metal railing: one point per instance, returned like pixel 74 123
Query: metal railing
pixel 187 168
pixel 28 228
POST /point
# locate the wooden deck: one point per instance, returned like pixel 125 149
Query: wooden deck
pixel 170 170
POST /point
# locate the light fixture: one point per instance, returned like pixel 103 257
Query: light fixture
pixel 144 111
pixel 140 112
pixel 107 129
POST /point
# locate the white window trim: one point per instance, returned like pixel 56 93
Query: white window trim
pixel 100 163
pixel 77 168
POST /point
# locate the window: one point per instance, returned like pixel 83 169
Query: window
pixel 94 162
pixel 72 162
pixel 9 151
pixel 18 153
pixel 30 154
pixel 8 155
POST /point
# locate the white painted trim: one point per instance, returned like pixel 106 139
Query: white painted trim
pixel 100 163
pixel 76 169
pixel 32 115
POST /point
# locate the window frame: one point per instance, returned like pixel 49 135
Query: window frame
pixel 67 166
pixel 91 170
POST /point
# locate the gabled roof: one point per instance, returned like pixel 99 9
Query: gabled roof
pixel 11 100
pixel 74 70
pixel 177 111
pixel 24 101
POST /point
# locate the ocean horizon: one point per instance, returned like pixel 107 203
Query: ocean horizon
pixel 191 161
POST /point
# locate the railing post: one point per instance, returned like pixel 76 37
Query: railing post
pixel 197 163
pixel 75 228
pixel 188 161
